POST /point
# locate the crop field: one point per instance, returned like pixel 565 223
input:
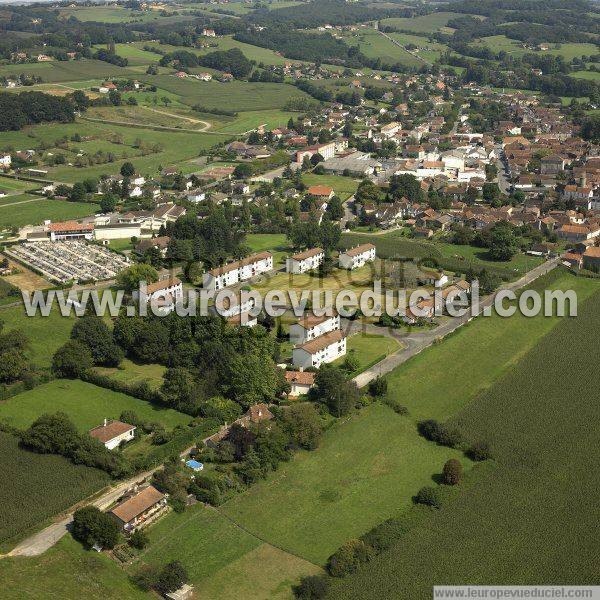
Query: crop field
pixel 423 24
pixel 87 405
pixel 37 486
pixel 45 334
pixel 354 480
pixel 235 95
pixel 66 571
pixel 36 212
pixel 217 555
pixel 528 519
pixel 66 71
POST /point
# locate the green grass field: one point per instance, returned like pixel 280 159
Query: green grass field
pixel 276 243
pixel 45 334
pixel 36 487
pixel 36 212
pixel 375 45
pixel 222 559
pixel 16 185
pixel 424 24
pixel 354 480
pixel 87 405
pixel 443 379
pixel 344 187
pixel 526 520
pixel 394 244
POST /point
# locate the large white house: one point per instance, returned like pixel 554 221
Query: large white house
pixel 112 433
pixel 323 349
pixel 240 270
pixel 310 327
pixel 304 261
pixel 355 258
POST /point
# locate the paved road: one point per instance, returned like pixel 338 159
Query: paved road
pixel 348 214
pixel 416 342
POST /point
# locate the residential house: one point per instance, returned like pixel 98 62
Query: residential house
pixel 300 382
pixel 591 259
pixel 165 293
pixel 140 510
pixel 113 433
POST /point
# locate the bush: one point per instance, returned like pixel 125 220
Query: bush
pixel 429 496
pixel 431 430
pixel 452 472
pixel 479 452
pixel 450 437
pixel 382 536
pixel 348 558
pixel 378 387
pixel 400 409
pixel 313 587
pixel 171 578
pixel 92 526
pixel 139 539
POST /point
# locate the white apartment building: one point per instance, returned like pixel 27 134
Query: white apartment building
pixel 323 349
pixel 355 258
pixel 304 261
pixel 310 327
pixel 240 270
pixel 164 293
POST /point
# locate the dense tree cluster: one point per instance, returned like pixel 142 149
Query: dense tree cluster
pixel 28 108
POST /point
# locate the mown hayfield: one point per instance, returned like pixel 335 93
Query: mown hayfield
pixel 86 405
pixel 366 470
pixel 219 556
pixel 16 185
pixel 66 571
pixel 130 372
pixel 246 121
pixel 529 519
pixel 37 486
pixel 36 212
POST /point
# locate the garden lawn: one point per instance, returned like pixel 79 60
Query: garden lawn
pixel 367 469
pixel 368 349
pixel 66 571
pixel 130 372
pixel 220 556
pixel 530 518
pixel 86 405
pixel 36 487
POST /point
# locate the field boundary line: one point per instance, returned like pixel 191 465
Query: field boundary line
pixel 254 535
